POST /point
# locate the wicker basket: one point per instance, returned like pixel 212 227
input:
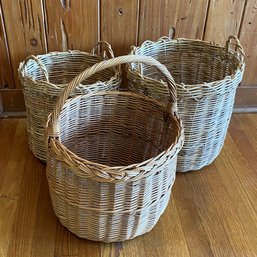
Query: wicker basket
pixel 112 158
pixel 43 79
pixel 207 76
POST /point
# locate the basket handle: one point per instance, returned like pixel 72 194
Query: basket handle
pixel 171 106
pixel 239 47
pixel 106 45
pixel 39 63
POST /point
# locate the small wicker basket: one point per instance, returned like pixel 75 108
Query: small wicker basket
pixel 207 76
pixel 112 158
pixel 44 77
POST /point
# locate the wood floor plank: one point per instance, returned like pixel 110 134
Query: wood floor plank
pixel 25 217
pixel 250 120
pixel 227 211
pixel 193 228
pixel 166 239
pixel 12 177
pixel 89 248
pixel 239 142
pixel 45 226
pixel 7 132
pixel 213 212
pixel 114 249
pixel 7 212
pixel 206 202
pixel 66 243
pixel 242 168
pixel 248 123
pixel 253 118
pixel 239 201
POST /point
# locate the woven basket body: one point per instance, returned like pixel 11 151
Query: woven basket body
pixel 112 160
pixel 207 76
pixel 43 79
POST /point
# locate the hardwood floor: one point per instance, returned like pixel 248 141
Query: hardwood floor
pixel 213 212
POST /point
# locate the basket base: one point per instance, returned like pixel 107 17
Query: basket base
pixel 124 226
pixel 198 167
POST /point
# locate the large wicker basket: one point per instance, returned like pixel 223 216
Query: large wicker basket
pixel 207 76
pixel 112 158
pixel 44 77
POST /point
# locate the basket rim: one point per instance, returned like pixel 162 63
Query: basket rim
pixel 182 87
pixel 117 69
pixel 107 173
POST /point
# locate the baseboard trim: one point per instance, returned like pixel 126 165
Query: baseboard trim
pixel 245 110
pixel 246 99
pixel 12 115
pixel 23 114
pixel 12 102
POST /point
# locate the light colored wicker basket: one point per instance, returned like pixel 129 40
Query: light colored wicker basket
pixel 207 76
pixel 112 158
pixel 44 77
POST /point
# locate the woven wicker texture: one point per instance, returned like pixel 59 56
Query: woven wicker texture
pixel 45 76
pixel 112 158
pixel 207 76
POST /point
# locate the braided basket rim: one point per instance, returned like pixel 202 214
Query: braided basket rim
pixel 113 174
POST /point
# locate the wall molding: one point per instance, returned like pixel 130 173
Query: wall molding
pixel 12 101
pixel 246 99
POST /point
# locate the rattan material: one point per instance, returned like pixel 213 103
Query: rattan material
pixel 112 158
pixel 207 76
pixel 45 76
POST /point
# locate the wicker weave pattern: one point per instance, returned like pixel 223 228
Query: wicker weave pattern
pixel 45 76
pixel 112 158
pixel 207 76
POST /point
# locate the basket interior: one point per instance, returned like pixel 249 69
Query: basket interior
pixel 116 129
pixel 62 67
pixel 190 62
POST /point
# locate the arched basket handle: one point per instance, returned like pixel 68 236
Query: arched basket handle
pixel 38 62
pixel 106 46
pixel 171 106
pixel 233 40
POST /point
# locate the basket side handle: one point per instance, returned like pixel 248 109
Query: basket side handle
pixel 107 46
pixel 233 40
pixel 38 62
pixel 171 106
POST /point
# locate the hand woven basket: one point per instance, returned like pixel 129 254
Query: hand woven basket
pixel 207 76
pixel 112 158
pixel 44 77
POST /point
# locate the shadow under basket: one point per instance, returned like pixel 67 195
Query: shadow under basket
pixel 207 76
pixel 112 160
pixel 44 77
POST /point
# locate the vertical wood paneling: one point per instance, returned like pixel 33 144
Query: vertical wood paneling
pixel 25 30
pixel 6 79
pixel 119 24
pixel 223 19
pixel 248 38
pixel 71 24
pixel 33 27
pixel 158 18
